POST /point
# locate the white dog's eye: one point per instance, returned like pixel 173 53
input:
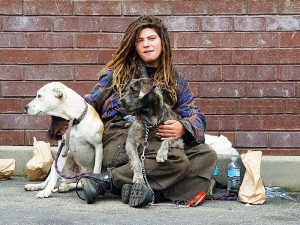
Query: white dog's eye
pixel 39 96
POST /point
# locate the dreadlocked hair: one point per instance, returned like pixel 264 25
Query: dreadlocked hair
pixel 125 59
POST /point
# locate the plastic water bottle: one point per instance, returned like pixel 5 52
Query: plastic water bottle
pixel 233 176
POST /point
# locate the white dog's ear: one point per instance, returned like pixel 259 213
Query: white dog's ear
pixel 57 92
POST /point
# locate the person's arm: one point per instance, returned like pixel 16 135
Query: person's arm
pixel 193 119
pixel 100 92
pixel 192 125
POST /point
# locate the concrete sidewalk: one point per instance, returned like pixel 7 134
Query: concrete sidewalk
pixel 18 206
pixel 282 171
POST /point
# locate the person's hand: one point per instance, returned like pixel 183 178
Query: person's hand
pixel 171 129
pixel 63 129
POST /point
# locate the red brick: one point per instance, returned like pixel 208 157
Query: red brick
pixel 21 56
pixel 281 122
pixel 235 122
pixel 298 90
pixel 289 7
pixel 39 135
pixel 290 72
pixel 120 24
pixel 49 72
pixel 97 8
pixel 230 40
pixel 260 40
pixel 81 87
pixel 21 122
pixel 10 7
pixel 276 152
pixel 190 7
pixel 77 24
pixel 261 106
pixel 174 23
pixel 227 7
pixel 282 23
pixel 11 137
pixel 289 56
pixel 247 23
pixel 216 23
pixel 11 72
pixel 188 39
pixel 12 40
pixel 241 57
pixel 11 105
pixel 185 56
pixel 74 56
pixel 104 40
pixel 214 57
pixel 105 55
pixel 269 89
pixel 49 40
pixel 147 7
pixel 266 56
pixel 292 106
pixel 89 72
pixel 282 152
pixel 262 7
pixel 290 39
pixel 26 23
pixel 284 139
pixel 249 73
pixel 251 139
pixel 218 89
pixel 20 88
pixel 201 72
pixel 217 106
pixel 49 7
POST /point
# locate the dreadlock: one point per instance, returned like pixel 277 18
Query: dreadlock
pixel 125 59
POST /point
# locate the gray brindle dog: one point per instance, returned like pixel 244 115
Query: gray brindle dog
pixel 144 100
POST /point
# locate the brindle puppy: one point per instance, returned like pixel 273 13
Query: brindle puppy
pixel 144 100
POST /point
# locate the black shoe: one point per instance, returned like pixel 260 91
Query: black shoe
pixel 136 195
pixel 96 185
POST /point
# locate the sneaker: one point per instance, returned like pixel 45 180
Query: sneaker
pixel 136 195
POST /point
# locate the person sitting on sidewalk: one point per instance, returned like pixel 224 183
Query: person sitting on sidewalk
pixel 145 51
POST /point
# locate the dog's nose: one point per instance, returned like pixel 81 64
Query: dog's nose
pixel 26 108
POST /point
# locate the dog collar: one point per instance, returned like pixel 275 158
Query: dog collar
pixel 77 120
pixel 158 122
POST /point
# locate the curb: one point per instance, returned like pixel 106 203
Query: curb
pixel 281 171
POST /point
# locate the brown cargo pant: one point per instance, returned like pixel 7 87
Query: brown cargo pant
pixel 182 176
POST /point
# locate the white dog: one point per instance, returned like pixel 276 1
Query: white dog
pixel 85 138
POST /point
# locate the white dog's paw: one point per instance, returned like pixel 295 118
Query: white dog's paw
pixel 64 187
pixel 161 156
pixel 32 187
pixel 44 193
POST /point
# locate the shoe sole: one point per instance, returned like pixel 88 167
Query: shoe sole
pixel 88 191
pixel 140 195
pixel 126 190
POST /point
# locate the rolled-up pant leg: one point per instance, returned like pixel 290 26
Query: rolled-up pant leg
pixel 202 163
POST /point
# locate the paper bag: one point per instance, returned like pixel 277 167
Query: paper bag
pixel 38 167
pixel 252 189
pixel 7 167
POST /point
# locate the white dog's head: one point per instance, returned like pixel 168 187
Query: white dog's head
pixel 48 100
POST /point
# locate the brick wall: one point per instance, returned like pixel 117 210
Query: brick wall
pixel 240 56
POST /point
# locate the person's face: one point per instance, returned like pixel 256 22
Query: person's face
pixel 148 47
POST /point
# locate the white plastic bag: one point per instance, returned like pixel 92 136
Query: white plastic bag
pixel 220 144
